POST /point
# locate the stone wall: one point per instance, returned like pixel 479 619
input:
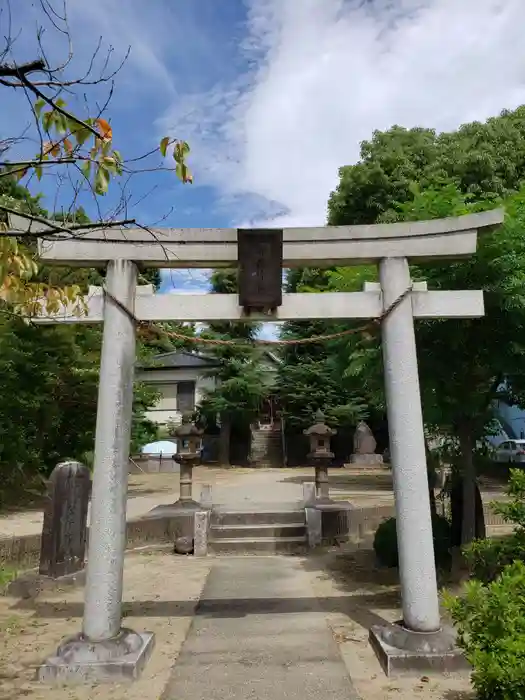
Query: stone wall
pixel 24 551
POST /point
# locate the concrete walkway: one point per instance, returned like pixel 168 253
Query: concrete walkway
pixel 258 490
pixel 259 633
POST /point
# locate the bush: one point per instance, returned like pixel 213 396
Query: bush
pixel 385 542
pixel 488 558
pixel 491 630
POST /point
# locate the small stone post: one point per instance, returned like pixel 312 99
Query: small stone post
pixel 65 520
pixel 320 454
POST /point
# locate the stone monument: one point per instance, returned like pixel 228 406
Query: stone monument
pixel 365 447
pixel 64 531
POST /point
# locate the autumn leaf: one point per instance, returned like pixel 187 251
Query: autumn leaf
pixel 50 148
pixel 68 145
pixel 104 129
pixel 164 145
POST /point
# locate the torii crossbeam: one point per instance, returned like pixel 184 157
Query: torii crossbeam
pixel 392 247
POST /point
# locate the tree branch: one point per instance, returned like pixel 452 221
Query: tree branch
pixel 7 71
pixel 29 85
pixel 23 165
pixel 56 227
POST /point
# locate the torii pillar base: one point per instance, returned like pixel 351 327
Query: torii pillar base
pixel 403 652
pixel 81 661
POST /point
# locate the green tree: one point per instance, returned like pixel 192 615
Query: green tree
pixel 485 160
pixel 462 363
pixel 311 377
pixel 50 380
pixel 240 381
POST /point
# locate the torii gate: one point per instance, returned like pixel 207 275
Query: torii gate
pixel 103 642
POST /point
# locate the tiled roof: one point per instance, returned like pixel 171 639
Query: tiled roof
pixel 179 359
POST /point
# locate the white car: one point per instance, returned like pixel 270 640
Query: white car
pixel 511 451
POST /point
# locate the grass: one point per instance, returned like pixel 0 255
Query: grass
pixel 7 574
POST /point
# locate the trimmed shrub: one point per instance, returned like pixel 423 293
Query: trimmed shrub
pixel 490 620
pixel 385 542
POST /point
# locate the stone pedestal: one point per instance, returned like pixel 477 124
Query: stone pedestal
pixel 181 514
pixel 326 521
pixel 79 660
pixel 322 487
pixel 368 460
pixel 180 518
pixel 402 651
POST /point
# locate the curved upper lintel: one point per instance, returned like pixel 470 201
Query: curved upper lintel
pixel 315 246
pixel 482 221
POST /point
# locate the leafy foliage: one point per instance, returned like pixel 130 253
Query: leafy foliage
pixel 488 558
pixel 491 630
pixel 310 376
pixel 483 160
pixel 49 376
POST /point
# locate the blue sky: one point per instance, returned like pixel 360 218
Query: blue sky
pixel 275 95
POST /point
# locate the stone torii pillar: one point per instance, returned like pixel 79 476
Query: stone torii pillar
pixel 407 439
pixel 104 651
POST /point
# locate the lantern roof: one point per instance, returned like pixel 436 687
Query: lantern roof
pixel 320 428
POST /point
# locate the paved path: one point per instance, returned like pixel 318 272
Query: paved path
pixel 258 490
pixel 259 634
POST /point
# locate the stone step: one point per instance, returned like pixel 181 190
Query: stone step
pixel 261 517
pixel 264 450
pixel 258 545
pixel 220 532
pixel 276 464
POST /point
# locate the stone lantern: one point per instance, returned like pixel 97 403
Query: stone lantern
pixel 320 454
pixel 189 441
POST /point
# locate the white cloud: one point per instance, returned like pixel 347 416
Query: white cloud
pixel 326 74
pixel 144 27
pixel 179 281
